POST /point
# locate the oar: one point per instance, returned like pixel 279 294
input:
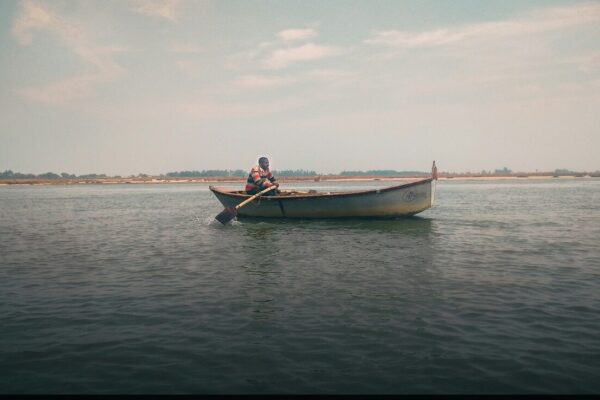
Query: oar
pixel 230 212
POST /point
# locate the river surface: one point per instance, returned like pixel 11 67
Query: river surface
pixel 135 289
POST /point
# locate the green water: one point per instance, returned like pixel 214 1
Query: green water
pixel 133 289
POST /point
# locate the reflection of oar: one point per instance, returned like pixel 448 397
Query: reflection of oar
pixel 230 212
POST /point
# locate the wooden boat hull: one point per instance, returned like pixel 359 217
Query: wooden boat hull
pixel 395 201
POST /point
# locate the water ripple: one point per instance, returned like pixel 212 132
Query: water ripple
pixel 139 290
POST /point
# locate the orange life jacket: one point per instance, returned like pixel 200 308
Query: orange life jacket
pixel 259 179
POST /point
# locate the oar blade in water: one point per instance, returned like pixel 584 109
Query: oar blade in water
pixel 226 215
pixel 230 212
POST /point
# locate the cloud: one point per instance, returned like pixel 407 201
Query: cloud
pixel 546 20
pixel 66 90
pixel 296 34
pixel 37 16
pixel 193 68
pixel 319 77
pixel 219 110
pixel 283 52
pixel 532 56
pixel 185 48
pixel 32 17
pixel 166 9
pixel 407 39
pixel 261 81
pixel 587 63
pixel 282 58
pixel 333 76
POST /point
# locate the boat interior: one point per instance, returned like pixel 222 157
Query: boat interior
pixel 285 192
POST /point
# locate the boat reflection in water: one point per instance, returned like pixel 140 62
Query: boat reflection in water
pixel 356 261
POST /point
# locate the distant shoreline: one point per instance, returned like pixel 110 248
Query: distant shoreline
pixel 282 180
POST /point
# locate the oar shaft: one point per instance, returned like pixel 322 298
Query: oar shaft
pixel 248 200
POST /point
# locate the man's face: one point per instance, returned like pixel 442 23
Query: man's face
pixel 264 164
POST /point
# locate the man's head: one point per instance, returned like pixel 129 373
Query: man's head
pixel 263 162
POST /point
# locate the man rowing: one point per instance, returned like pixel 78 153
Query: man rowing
pixel 260 178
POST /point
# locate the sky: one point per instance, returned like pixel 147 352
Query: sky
pixel 152 86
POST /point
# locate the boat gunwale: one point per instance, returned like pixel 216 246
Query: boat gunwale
pixel 217 190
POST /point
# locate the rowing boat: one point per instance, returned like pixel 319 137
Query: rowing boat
pixel 389 202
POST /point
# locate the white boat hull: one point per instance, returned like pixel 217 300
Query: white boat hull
pixel 396 201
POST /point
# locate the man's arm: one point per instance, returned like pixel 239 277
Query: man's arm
pixel 261 182
pixel 273 180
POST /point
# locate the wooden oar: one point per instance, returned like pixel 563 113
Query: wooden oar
pixel 230 212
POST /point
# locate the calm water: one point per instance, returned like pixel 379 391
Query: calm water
pixel 132 289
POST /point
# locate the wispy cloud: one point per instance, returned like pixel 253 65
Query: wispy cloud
pixel 261 81
pixel 185 48
pixel 282 58
pixel 32 17
pixel 66 90
pixel 545 20
pixel 520 59
pixel 191 67
pixel 167 9
pixel 290 47
pixel 333 76
pixel 296 34
pixel 587 63
pixel 37 16
pixel 219 110
pixel 320 77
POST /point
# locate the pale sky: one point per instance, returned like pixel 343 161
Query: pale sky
pixel 144 86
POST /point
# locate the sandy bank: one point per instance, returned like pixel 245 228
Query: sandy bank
pixel 282 180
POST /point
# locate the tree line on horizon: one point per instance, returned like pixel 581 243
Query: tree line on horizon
pixel 8 174
pixel 236 173
pixel 384 172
